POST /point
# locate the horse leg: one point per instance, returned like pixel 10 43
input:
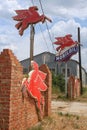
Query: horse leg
pixel 42 18
pixel 18 25
pixel 57 49
pixel 47 18
pixel 23 27
pixel 21 32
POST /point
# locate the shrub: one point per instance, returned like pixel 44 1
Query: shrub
pixel 58 81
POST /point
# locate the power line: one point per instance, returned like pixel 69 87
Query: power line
pixel 44 37
pixel 47 25
pixel 41 31
pixel 32 2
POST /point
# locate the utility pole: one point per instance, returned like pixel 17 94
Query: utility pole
pixel 32 32
pixel 79 52
pixel 66 79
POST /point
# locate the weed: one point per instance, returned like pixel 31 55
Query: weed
pixel 49 119
pixel 60 113
pixel 36 128
pixel 76 126
pixel 68 115
pixel 77 117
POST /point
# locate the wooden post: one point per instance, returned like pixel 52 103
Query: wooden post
pixel 66 79
pixel 32 32
pixel 79 53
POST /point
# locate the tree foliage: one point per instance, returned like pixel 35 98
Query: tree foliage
pixel 58 81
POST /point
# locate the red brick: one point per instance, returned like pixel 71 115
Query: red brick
pixel 16 113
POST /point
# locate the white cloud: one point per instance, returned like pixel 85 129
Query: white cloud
pixel 84 57
pixel 63 13
pixel 62 28
pixel 66 8
pixel 7 8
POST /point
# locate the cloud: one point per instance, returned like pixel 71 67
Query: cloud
pixel 62 28
pixel 7 8
pixel 66 9
pixel 84 36
pixel 84 57
pixel 64 14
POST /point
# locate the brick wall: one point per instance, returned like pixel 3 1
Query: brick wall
pixel 15 113
pixel 73 87
pixel 45 69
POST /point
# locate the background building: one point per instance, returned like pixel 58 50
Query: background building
pixel 57 67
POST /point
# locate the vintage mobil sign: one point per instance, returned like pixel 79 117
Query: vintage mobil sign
pixel 66 47
pixel 66 53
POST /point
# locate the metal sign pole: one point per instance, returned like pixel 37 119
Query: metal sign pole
pixel 31 43
pixel 66 79
pixel 79 53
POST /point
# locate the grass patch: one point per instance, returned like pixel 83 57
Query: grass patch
pixel 36 128
pixel 60 113
pixel 55 90
pixel 76 126
pixel 69 115
pixel 84 95
pixel 49 119
pixel 58 95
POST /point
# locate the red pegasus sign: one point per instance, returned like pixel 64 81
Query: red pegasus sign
pixel 35 84
pixel 27 17
pixel 64 42
pixel 67 47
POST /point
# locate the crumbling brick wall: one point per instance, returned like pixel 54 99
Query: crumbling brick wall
pixel 47 95
pixel 16 113
pixel 73 87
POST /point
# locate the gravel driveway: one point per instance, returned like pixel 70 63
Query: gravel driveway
pixel 76 108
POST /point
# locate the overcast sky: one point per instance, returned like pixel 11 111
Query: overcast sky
pixel 66 15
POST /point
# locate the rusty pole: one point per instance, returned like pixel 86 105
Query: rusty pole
pixel 32 32
pixel 79 53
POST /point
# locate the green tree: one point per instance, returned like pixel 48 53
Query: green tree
pixel 58 81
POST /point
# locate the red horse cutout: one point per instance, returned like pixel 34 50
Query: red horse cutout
pixel 27 17
pixel 35 84
pixel 64 42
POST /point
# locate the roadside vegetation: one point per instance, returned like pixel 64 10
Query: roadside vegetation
pixel 83 97
pixel 58 89
pixel 60 121
pixel 58 83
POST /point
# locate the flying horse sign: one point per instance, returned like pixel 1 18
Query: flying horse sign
pixel 27 17
pixel 67 47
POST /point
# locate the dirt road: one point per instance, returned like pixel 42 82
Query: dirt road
pixel 76 108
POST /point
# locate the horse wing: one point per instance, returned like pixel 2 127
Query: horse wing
pixel 21 11
pixel 21 14
pixel 59 41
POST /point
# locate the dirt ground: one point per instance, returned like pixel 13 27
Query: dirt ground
pixel 66 116
pixel 75 108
